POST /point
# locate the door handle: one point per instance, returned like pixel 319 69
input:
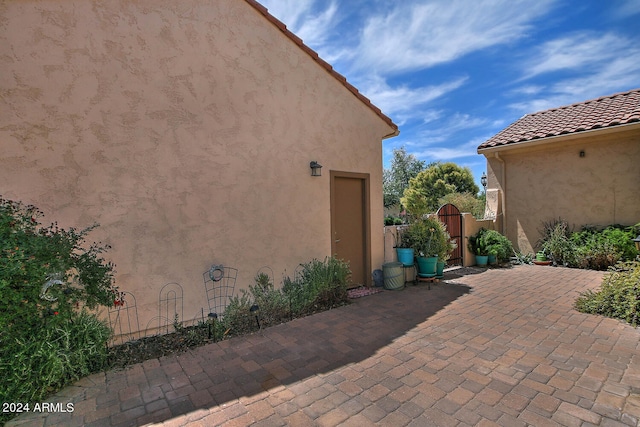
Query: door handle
pixel 337 240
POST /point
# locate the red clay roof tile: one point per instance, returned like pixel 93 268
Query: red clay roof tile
pixel 607 111
pixel 297 40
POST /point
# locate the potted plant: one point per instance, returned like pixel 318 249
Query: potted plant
pixel 427 238
pixel 477 246
pixel 403 246
pixel 445 249
pixel 498 247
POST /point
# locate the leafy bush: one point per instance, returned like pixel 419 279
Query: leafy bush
pixel 619 294
pixel 496 244
pixel 392 220
pixel 36 364
pixel 588 248
pixel 557 244
pixel 428 237
pixel 599 250
pixel 319 286
pixel 47 280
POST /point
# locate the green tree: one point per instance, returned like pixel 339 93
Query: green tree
pixel 466 202
pixel 435 182
pixel 396 179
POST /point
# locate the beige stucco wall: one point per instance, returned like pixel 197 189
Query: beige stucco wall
pixel 185 129
pixel 542 182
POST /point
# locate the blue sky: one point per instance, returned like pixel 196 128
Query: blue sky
pixel 453 73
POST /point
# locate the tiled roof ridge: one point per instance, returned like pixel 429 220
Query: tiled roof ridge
pixel 314 55
pixel 577 104
pixel 622 108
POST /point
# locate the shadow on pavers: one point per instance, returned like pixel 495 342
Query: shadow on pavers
pixel 245 366
pixel 297 350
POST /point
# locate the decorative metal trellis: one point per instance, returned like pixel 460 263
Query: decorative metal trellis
pixel 171 302
pixel 219 284
pixel 123 318
pixel 170 309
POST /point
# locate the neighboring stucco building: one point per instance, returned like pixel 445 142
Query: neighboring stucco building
pixel 186 128
pixel 580 163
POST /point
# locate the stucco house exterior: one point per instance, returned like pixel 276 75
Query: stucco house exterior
pixel 186 129
pixel 579 162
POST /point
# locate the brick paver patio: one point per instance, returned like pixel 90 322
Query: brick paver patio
pixel 502 347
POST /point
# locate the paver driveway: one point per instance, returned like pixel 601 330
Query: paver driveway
pixel 502 347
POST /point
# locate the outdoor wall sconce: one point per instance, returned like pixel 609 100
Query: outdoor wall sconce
pixel 483 181
pixel 255 310
pixel 582 153
pixel 315 168
pixel 212 325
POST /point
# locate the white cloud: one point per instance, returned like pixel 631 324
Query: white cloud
pixel 598 65
pixel 312 24
pixel 627 8
pixel 419 35
pixel 446 154
pixel 574 52
pixel 404 102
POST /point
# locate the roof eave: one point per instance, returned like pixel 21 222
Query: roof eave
pixel 551 139
pixel 314 55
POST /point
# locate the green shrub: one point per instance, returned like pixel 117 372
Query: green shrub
pixel 392 220
pixel 619 294
pixel 601 249
pixel 319 286
pixel 556 243
pixel 47 279
pixel 428 237
pixel 496 244
pixel 36 364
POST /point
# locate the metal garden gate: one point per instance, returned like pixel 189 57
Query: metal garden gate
pixel 452 218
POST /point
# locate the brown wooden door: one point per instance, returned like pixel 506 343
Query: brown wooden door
pixel 450 215
pixel 350 223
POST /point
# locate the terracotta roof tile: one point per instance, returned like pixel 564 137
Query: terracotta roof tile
pixel 314 55
pixel 607 111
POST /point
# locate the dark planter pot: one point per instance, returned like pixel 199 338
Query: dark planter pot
pixel 482 260
pixel 440 269
pixel 427 267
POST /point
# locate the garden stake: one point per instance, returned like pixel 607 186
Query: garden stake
pixel 255 309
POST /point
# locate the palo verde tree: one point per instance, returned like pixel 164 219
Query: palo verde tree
pixel 435 182
pixel 396 179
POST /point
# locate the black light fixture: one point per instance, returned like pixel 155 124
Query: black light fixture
pixel 255 310
pixel 637 242
pixel 483 181
pixel 315 168
pixel 212 325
